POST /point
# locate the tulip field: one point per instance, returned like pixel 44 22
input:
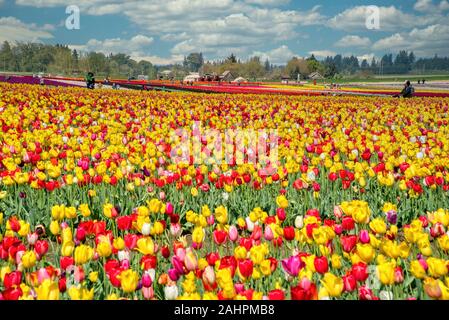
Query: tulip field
pixel 95 204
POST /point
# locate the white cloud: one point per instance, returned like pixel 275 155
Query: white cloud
pixel 323 53
pixel 429 6
pixel 12 29
pixel 391 19
pixel 156 60
pixel 2 2
pixel 277 56
pixel 427 41
pixel 135 46
pixel 353 41
pixel 212 26
pixel 267 2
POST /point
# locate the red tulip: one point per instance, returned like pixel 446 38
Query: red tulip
pixel 246 268
pixel 12 279
pixel 289 233
pixel 124 222
pixel 347 223
pixel 220 236
pixel 41 247
pixel 66 262
pixel 321 264
pixel 349 282
pixel 348 242
pixel 276 295
pixel 360 271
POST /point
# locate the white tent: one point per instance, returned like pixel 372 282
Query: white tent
pixel 192 77
pixel 240 80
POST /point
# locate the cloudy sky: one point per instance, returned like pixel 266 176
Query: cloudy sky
pixel 163 31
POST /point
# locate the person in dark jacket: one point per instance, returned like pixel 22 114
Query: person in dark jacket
pixel 90 80
pixel 407 92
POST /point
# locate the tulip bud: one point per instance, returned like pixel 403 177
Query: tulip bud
pixel 233 233
pixel 148 292
pixel 338 229
pixel 171 292
pixel 175 229
pixel 338 213
pixel 190 260
pixel 32 238
pixel 169 208
pixel 162 195
pixel 299 222
pixel 268 234
pixel 146 229
pixel 146 280
pixel 364 236
pixel 210 220
pixel 398 275
pixel 173 274
pixel 249 224
pixel 209 275
pixel 280 212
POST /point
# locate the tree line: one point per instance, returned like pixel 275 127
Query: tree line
pixel 61 60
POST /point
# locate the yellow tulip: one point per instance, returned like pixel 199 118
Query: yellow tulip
pixel 332 284
pixel 48 290
pixel 128 280
pixel 145 245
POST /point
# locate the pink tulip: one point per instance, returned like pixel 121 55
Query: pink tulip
pixel 338 229
pixel 180 253
pixel 209 275
pixel 364 236
pixel 338 213
pixel 175 229
pixel 169 208
pixel 239 287
pixel 148 293
pixel 173 274
pixel 233 233
pixel 32 238
pixel 162 195
pixel 210 220
pixel 42 274
pixel 146 280
pixel 178 265
pixel 292 265
pixel 124 264
pixel 190 260
pixel 268 234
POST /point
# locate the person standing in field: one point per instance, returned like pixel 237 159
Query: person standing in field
pixel 90 80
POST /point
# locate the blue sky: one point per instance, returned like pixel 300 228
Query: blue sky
pixel 163 31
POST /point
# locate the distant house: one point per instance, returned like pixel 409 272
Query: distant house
pixel 166 74
pixel 227 76
pixel 285 79
pixel 315 76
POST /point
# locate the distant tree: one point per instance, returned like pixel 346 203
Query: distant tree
pixel 267 65
pixel 7 62
pixel 364 64
pixel 231 59
pixel 330 69
pixel 296 67
pixel 194 61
